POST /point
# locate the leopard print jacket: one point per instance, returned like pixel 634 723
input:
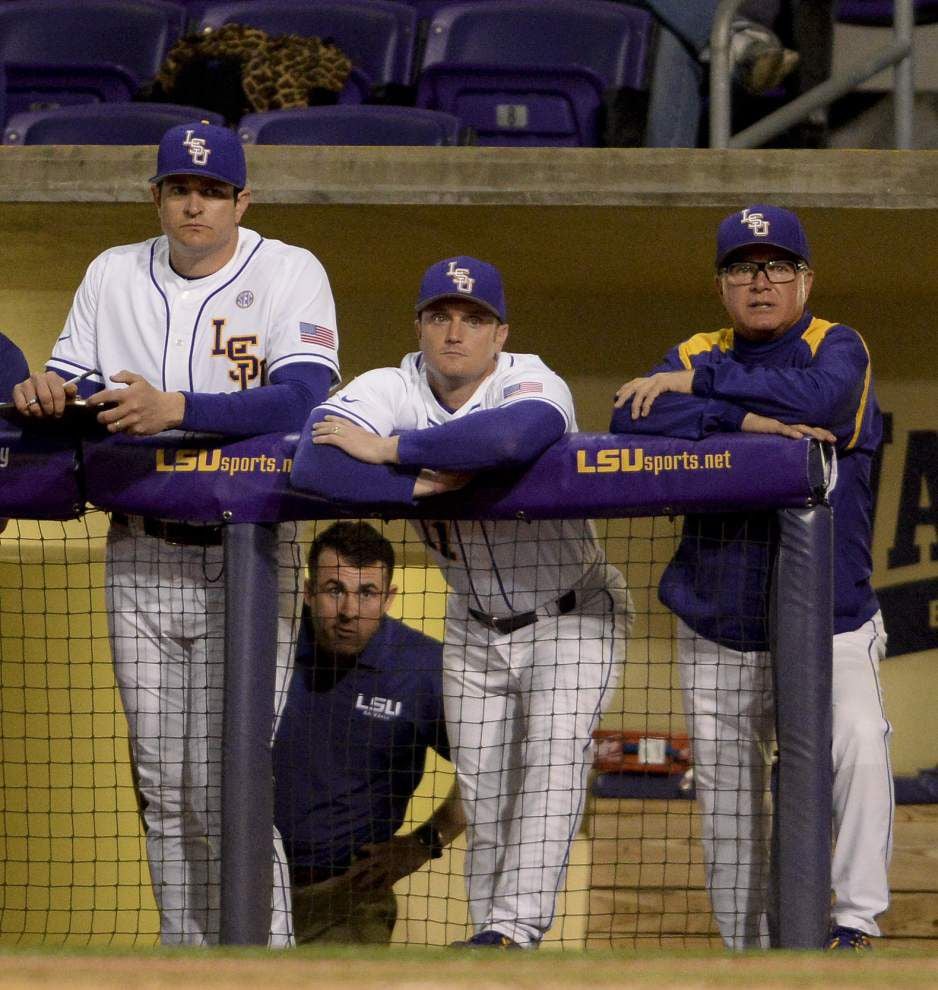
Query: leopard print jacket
pixel 278 72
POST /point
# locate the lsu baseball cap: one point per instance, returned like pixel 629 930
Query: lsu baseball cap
pixel 200 148
pixel 762 225
pixel 464 278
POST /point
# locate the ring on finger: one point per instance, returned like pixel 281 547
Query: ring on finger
pixel 336 430
pixel 117 424
pixel 33 401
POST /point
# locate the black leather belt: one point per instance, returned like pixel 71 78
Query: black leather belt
pixel 304 876
pixel 509 623
pixel 176 533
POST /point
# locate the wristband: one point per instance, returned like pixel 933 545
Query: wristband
pixel 428 835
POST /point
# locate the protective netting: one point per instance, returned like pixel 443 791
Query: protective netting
pixel 575 769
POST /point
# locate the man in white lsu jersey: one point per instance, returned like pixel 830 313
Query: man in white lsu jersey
pixel 181 331
pixel 536 619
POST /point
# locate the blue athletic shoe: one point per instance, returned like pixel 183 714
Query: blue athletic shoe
pixel 849 939
pixel 488 939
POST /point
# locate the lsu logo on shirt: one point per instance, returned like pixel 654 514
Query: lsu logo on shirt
pixel 247 366
pixel 383 709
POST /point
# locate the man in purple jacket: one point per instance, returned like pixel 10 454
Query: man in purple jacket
pixel 777 369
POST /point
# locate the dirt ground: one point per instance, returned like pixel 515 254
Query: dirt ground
pixel 323 970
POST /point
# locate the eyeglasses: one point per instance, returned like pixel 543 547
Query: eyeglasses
pixel 777 271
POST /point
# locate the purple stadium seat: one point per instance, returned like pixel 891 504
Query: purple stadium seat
pixel 534 72
pixel 426 9
pixel 97 123
pixel 359 125
pixel 59 52
pixel 878 13
pixel 378 35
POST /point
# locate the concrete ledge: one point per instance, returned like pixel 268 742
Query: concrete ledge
pixel 502 176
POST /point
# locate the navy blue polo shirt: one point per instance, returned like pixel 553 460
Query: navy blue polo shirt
pixel 13 367
pixel 351 744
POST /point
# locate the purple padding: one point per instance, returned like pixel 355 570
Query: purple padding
pixel 177 476
pixel 261 479
pixel 606 475
pixel 38 474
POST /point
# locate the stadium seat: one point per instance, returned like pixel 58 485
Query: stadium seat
pixel 58 52
pixel 361 125
pixel 378 35
pixel 534 72
pixel 878 13
pixel 97 123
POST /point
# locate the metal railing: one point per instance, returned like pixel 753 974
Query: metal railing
pixel 897 54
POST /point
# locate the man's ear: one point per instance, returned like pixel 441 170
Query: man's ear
pixel 808 283
pixel 308 592
pixel 417 329
pixel 243 202
pixel 389 600
pixel 155 193
pixel 501 335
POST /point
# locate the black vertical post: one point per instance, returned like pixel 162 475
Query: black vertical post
pixel 802 644
pixel 251 608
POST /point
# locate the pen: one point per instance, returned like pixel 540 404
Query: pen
pixel 79 378
pixel 71 381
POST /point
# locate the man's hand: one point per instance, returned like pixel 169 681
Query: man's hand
pixel 382 864
pixel 43 394
pixel 140 409
pixel 754 423
pixel 356 442
pixel 642 392
pixel 440 482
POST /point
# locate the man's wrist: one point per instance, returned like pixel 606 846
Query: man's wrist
pixel 176 410
pixel 429 836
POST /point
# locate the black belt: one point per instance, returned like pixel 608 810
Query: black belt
pixel 509 623
pixel 178 534
pixel 305 876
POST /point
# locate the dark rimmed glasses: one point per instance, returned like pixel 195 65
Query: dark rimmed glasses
pixel 777 271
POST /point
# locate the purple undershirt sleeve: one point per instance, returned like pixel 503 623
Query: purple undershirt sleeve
pixel 687 417
pixel 506 437
pixel 280 407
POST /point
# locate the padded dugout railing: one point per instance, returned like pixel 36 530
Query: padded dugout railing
pixel 54 470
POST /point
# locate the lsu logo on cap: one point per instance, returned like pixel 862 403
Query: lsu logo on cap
pixel 756 222
pixel 460 277
pixel 197 150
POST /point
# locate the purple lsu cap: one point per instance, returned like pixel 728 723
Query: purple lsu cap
pixel 202 149
pixel 759 225
pixel 464 278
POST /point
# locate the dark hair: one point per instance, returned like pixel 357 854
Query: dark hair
pixel 357 542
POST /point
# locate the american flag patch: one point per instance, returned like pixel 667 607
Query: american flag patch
pixel 521 388
pixel 310 333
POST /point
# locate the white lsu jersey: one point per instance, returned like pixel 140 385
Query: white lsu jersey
pixel 495 567
pixel 268 307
